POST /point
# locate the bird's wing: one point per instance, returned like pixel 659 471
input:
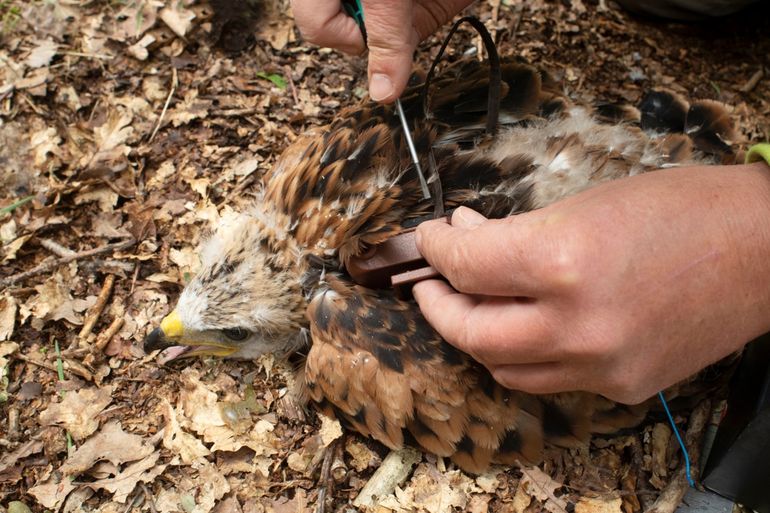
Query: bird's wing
pixel 351 185
pixel 377 366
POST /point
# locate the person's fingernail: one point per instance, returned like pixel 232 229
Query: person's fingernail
pixel 465 217
pixel 380 87
pixel 417 238
pixel 417 291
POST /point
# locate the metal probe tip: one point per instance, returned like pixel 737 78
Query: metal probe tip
pixel 412 150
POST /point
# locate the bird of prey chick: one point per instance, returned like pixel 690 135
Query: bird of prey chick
pixel 274 280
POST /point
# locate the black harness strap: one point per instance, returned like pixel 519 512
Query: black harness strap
pixel 495 74
pixel 493 99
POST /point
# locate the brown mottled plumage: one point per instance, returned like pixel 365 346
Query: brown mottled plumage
pixel 273 278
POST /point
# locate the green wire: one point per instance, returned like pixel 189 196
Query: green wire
pixel 355 10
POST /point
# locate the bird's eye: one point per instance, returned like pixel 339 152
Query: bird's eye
pixel 236 334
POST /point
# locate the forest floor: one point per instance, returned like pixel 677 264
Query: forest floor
pixel 127 128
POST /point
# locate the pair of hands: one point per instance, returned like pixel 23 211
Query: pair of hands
pixel 621 290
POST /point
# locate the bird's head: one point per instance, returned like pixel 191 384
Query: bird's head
pixel 245 301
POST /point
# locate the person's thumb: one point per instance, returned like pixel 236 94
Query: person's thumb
pixel 467 218
pixel 391 40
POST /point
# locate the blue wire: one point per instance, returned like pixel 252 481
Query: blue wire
pixel 678 439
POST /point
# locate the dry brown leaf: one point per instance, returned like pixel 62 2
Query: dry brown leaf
pixel 661 437
pixel 330 430
pixel 111 148
pixel 124 482
pixel 8 308
pixel 6 349
pixel 111 444
pixel 178 19
pixel 362 456
pixel 198 495
pixel 54 301
pixel 479 503
pixel 189 109
pixel 139 50
pixel 10 249
pixel 109 225
pixel 155 89
pixel 229 505
pixel 203 414
pixel 521 500
pixel 115 132
pixel 488 481
pixel 542 487
pixel 67 95
pixel 285 505
pixel 44 142
pixel 8 231
pixel 104 196
pixel 178 441
pixel 75 502
pixel 35 82
pixel 433 491
pixel 52 492
pixel 186 259
pixel 136 18
pixel 596 505
pixel 42 54
pixel 77 411
pixel 10 466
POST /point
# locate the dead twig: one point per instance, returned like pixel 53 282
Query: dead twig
pixel 671 496
pixel 148 498
pixel 753 81
pixel 56 248
pixel 50 266
pixel 105 336
pixel 134 278
pixel 96 311
pixel 393 471
pixel 174 84
pixel 78 368
pixel 27 359
pixel 229 113
pixel 325 481
pixel 292 88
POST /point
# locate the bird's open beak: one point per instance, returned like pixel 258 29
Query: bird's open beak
pixel 177 342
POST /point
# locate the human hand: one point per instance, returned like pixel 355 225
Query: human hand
pixel 394 28
pixel 622 290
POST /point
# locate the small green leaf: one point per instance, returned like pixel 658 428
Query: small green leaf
pixel 13 206
pixel 187 502
pixel 18 507
pixel 276 79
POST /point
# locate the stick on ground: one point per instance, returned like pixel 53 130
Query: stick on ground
pixel 96 311
pixel 50 266
pixel 672 494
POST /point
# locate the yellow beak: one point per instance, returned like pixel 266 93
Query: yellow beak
pixel 172 333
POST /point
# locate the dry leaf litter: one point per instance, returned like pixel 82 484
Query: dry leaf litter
pixel 127 129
